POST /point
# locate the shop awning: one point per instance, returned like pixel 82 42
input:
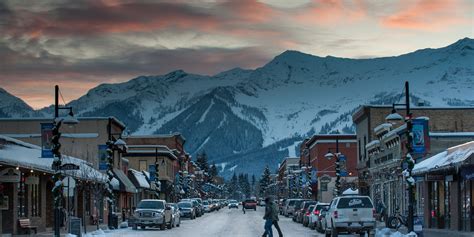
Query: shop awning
pixel 138 179
pixel 125 185
pixel 453 157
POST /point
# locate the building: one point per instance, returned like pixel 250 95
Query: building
pixel 367 117
pixel 85 140
pixel 289 166
pixel 166 151
pixel 323 173
pixel 446 183
pixel 25 187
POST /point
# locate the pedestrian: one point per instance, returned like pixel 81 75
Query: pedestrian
pixel 243 207
pixel 268 217
pixel 275 218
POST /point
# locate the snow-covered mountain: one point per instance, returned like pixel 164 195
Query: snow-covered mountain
pixel 245 119
pixel 11 106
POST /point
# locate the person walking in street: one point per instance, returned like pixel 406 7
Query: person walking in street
pixel 268 217
pixel 243 207
pixel 275 218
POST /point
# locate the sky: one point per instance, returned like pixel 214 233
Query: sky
pixel 81 44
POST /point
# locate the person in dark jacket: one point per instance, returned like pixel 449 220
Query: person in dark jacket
pixel 275 218
pixel 268 217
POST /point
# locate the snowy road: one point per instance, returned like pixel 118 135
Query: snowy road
pixel 223 223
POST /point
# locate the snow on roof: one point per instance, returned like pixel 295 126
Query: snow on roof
pixel 451 134
pixel 68 135
pixel 394 132
pixel 22 154
pixel 140 177
pixel 385 126
pixel 453 156
pixel 372 143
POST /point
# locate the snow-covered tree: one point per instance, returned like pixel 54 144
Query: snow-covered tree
pixel 264 181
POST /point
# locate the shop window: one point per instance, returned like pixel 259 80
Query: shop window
pixel 35 199
pixel 22 205
pixel 142 165
pixel 467 193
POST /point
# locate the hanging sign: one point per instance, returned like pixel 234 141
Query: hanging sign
pixel 10 175
pixel 420 127
pixel 46 136
pixel 314 175
pixel 342 165
pixel 33 180
pixel 102 157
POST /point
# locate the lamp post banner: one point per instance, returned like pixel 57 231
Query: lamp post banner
pixel 102 157
pixel 342 165
pixel 419 135
pixel 314 176
pixel 152 171
pixel 46 136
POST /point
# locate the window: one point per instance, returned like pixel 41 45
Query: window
pixel 142 165
pixel 35 199
pixel 365 150
pixel 324 186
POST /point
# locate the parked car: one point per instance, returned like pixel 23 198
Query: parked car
pixel 350 214
pixel 176 214
pixel 306 215
pixel 301 212
pixel 187 209
pixel 315 214
pixel 152 213
pixel 290 207
pixel 250 204
pixel 261 202
pixel 281 204
pixel 233 204
pixel 200 206
pixel 320 224
pixel 206 206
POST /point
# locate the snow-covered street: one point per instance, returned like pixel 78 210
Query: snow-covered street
pixel 222 223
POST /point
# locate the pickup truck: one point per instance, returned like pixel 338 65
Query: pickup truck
pixel 153 213
pixel 350 214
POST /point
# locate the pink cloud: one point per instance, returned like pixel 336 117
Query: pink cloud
pixel 330 12
pixel 428 15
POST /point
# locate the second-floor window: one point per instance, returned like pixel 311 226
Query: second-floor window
pixel 142 165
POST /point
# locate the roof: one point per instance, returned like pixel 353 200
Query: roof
pixel 125 184
pixel 176 134
pixel 26 155
pixel 451 134
pixel 139 179
pixel 450 158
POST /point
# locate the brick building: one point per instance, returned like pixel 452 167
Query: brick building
pixel 323 170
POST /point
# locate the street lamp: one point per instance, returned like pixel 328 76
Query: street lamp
pixel 56 166
pixel 407 173
pixel 337 155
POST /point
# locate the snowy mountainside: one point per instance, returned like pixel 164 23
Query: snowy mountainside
pixel 242 117
pixel 11 106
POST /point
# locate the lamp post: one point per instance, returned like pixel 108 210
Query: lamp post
pixel 394 117
pixel 56 166
pixel 329 156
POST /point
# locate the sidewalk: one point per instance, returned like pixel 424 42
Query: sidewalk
pixel 428 232
pixel 49 231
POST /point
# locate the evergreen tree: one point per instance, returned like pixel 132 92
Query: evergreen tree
pixel 264 181
pixel 253 185
pixel 213 172
pixel 202 162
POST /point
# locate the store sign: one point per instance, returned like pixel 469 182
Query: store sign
pixel 10 175
pixel 32 180
pixel 467 173
pixel 102 157
pixel 420 127
pixel 434 177
pixel 46 137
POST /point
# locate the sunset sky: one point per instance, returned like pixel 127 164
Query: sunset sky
pixel 81 44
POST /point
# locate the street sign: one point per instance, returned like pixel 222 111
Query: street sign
pixel 69 166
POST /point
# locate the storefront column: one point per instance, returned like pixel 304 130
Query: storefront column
pixel 455 206
pixel 427 203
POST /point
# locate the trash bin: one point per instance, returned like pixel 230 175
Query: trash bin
pixel 114 221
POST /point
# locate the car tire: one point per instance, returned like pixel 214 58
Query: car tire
pixel 179 223
pixel 334 232
pixel 163 226
pixel 142 227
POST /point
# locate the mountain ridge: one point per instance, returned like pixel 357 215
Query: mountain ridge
pixel 263 113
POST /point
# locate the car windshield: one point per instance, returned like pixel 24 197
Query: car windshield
pixel 298 203
pixel 205 203
pixel 232 201
pixel 355 202
pixel 291 203
pixel 184 205
pixel 151 205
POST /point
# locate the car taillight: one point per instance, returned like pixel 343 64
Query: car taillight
pixel 335 214
pixel 316 212
pixel 307 213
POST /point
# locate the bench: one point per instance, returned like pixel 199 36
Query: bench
pixel 26 225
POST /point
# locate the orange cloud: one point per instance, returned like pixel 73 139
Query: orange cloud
pixel 329 12
pixel 430 15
